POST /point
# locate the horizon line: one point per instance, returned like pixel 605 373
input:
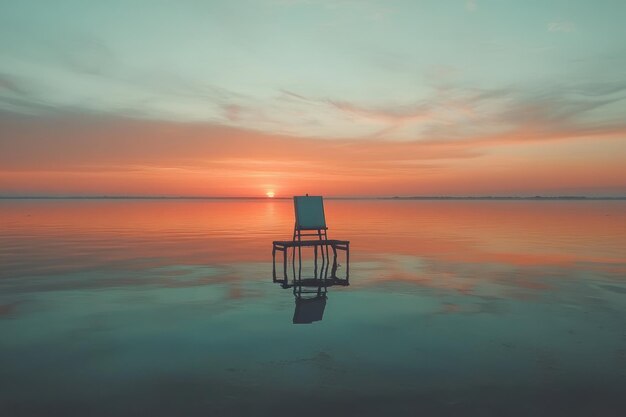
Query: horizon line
pixel 429 197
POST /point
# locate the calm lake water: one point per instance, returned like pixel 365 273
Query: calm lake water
pixel 167 308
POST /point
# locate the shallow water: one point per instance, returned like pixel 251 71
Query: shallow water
pixel 167 307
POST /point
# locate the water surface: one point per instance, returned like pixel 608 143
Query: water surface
pixel 167 307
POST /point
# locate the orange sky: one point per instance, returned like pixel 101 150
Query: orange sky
pixel 90 155
pixel 333 97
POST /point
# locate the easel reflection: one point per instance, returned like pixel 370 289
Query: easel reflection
pixel 310 293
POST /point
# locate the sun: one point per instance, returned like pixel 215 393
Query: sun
pixel 270 194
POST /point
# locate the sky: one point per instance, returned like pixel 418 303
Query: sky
pixel 331 97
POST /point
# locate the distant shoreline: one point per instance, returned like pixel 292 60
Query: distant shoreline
pixel 396 198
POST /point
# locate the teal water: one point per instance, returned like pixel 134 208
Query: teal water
pixel 166 308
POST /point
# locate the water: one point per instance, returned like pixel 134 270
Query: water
pixel 163 308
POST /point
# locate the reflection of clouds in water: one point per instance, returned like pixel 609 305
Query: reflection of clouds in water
pixel 158 276
pixel 463 276
pixel 213 288
pixel 468 288
pixel 157 304
pixel 198 345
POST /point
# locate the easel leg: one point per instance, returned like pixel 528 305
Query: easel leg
pixel 333 273
pixel 285 256
pixel 273 263
pixel 299 263
pixel 348 262
pixel 315 260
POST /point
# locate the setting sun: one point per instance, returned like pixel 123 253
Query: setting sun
pixel 270 194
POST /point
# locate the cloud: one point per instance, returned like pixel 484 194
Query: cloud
pixel 561 26
pixel 446 112
pixel 96 154
pixel 450 113
pixel 80 141
pixel 105 154
pixel 396 114
pixel 567 110
pixel 8 86
pixel 464 114
pixel 471 5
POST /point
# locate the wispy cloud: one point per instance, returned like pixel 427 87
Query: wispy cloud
pixel 395 114
pixel 561 26
pixel 456 113
pixel 471 5
pixel 69 153
pixel 448 113
pixel 8 86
